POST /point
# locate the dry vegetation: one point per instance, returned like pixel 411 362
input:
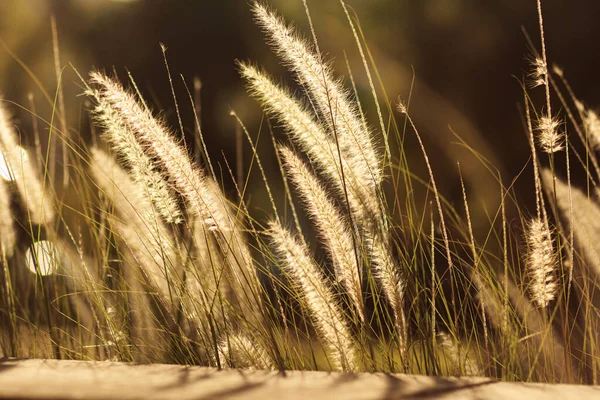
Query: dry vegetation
pixel 144 258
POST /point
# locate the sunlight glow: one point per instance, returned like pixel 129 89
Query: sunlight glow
pixel 6 171
pixel 42 257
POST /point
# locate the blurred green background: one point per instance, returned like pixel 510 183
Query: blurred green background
pixel 468 57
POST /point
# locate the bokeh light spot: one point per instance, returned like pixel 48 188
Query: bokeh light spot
pixel 42 257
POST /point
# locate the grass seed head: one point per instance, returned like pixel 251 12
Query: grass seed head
pixel 541 262
pixel 550 138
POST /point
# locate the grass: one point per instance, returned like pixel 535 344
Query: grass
pixel 127 248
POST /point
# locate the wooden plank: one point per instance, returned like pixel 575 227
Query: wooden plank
pixel 51 379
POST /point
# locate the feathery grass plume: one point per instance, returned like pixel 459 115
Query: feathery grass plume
pixel 156 138
pixel 98 304
pixel 532 322
pixel 558 71
pixel 586 217
pixel 582 211
pixel 123 141
pixel 33 192
pixel 242 284
pixel 496 302
pixel 520 323
pixel 539 72
pixel 7 230
pixel 549 138
pixel 541 262
pixel 332 99
pixel 313 140
pixel 450 348
pixel 206 286
pixel 242 351
pixel 138 223
pixel 332 228
pixel 591 122
pixel 147 335
pixel 387 273
pixel 205 199
pixel 322 150
pixel 320 301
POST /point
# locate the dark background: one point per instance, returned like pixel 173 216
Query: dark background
pixel 468 57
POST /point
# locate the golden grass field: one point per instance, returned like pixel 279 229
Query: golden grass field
pixel 326 240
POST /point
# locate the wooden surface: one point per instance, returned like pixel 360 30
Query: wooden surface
pixel 50 379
